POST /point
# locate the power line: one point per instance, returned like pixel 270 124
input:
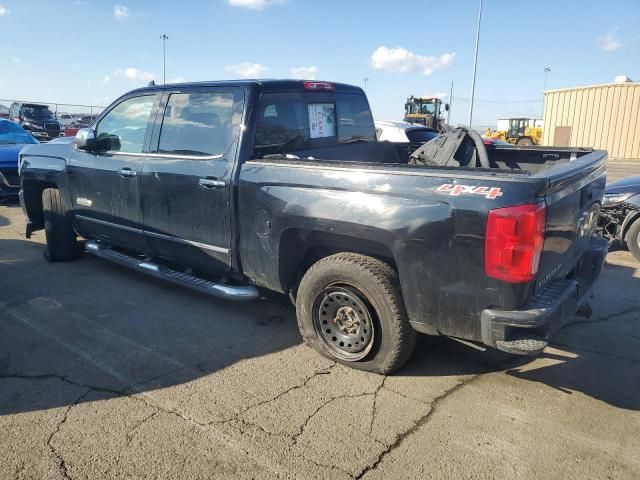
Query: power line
pixel 481 104
pixel 501 101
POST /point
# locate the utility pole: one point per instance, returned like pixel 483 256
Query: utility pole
pixel 475 65
pixel 546 74
pixel 365 79
pixel 164 37
pixel 450 104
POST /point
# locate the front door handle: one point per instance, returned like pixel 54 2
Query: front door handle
pixel 126 172
pixel 211 183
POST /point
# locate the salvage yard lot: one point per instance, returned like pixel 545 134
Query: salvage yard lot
pixel 109 373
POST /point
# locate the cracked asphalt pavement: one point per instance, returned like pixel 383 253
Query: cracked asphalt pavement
pixel 106 373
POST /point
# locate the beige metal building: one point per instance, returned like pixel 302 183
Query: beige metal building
pixel 600 116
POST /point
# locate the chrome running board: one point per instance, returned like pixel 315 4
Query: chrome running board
pixel 221 290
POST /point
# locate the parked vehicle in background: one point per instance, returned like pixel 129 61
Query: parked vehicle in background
pixel 492 142
pixel 65 119
pixel 37 119
pixel 71 130
pixel 79 122
pixel 427 111
pixel 620 214
pixel 4 111
pixel 12 138
pixel 408 135
pixel 228 186
pixel 521 131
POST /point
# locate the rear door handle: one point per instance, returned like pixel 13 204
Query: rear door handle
pixel 126 172
pixel 211 183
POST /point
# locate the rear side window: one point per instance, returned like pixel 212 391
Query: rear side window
pixel 354 117
pixel 197 124
pixel 292 121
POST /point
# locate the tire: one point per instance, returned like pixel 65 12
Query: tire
pixel 525 142
pixel 355 299
pixel 62 244
pixel 632 239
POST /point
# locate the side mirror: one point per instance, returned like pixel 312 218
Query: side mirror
pixel 446 107
pixel 85 139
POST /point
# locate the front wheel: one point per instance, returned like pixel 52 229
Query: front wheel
pixel 350 310
pixel 632 239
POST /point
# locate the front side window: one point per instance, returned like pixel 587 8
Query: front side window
pixel 124 127
pixel 198 124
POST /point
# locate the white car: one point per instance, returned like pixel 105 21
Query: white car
pixel 402 132
pixel 65 119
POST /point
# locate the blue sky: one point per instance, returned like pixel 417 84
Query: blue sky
pixel 90 51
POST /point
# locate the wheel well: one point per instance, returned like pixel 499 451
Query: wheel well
pixel 299 249
pixel 629 221
pixel 32 194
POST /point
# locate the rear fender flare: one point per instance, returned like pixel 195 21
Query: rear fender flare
pixel 37 173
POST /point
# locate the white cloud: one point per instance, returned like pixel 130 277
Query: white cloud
pixel 178 79
pixel 121 13
pixel 304 73
pixel 106 79
pixel 247 69
pixel 104 101
pixel 3 10
pixel 254 4
pixel 609 42
pixel 135 74
pixel 401 60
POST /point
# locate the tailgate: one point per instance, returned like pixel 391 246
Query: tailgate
pixel 573 197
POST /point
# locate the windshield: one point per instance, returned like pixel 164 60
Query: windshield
pixel 429 108
pixel 12 133
pixel 36 111
pixel 297 121
pixel 421 108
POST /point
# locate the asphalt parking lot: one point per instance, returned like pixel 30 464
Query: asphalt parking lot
pixel 106 373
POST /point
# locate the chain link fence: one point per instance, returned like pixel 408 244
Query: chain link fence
pixel 69 110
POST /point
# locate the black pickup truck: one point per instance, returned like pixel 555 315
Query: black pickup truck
pixel 229 186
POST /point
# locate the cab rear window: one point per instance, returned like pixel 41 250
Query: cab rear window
pixel 293 121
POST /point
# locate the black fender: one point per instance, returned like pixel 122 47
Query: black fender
pixel 42 166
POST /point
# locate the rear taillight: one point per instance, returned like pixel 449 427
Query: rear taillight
pixel 309 85
pixel 513 243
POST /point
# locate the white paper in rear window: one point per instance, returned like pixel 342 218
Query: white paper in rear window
pixel 322 120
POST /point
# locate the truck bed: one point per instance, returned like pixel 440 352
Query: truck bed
pixel 520 160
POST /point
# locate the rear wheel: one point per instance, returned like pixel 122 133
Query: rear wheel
pixel 632 239
pixel 350 309
pixel 525 142
pixel 62 244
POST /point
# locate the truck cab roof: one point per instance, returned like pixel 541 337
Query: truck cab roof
pixel 264 85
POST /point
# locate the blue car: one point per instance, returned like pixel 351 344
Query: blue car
pixel 12 138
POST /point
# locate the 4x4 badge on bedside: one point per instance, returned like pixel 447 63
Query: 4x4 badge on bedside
pixel 456 190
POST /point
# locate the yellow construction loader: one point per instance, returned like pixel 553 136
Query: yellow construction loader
pixel 427 111
pixel 520 133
